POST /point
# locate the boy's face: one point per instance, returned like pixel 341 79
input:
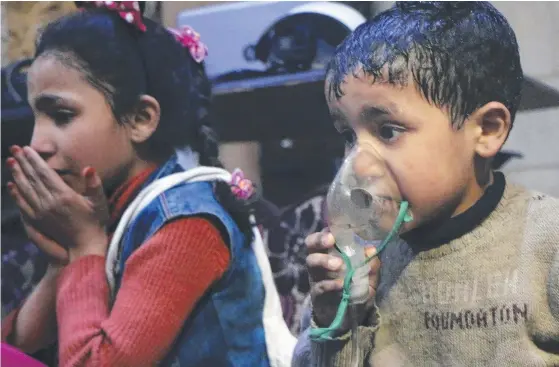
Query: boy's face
pixel 427 161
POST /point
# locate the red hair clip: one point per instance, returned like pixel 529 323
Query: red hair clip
pixel 190 39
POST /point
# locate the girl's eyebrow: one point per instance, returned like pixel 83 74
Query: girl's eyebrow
pixel 46 100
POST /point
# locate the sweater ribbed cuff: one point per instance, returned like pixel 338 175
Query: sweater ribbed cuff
pixel 338 352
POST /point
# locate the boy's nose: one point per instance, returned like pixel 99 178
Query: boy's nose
pixel 368 166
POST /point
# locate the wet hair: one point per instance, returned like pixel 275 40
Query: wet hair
pixel 460 55
pixel 124 63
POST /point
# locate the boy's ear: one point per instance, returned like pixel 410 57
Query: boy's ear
pixel 145 120
pixel 492 125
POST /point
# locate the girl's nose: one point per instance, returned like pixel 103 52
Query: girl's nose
pixel 42 143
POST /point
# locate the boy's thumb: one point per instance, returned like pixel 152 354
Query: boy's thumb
pixel 370 251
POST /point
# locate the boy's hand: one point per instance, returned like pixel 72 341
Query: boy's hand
pixel 326 274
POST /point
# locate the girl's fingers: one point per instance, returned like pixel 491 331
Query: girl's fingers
pixel 30 173
pixel 49 178
pixel 24 189
pixel 19 200
pixel 95 193
pixel 57 253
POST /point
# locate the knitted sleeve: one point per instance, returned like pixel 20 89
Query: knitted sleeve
pixel 553 286
pixel 336 352
pixel 161 284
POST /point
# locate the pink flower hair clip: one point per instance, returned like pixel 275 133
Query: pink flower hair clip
pixel 190 39
pixel 241 187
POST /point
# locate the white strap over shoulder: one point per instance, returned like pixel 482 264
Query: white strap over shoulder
pixel 145 197
pixel 280 343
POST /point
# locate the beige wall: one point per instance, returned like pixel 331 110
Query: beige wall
pixel 244 155
pixel 4 31
pixel 536 133
pixel 170 9
pixel 23 20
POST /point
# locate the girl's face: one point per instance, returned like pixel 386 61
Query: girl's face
pixel 75 127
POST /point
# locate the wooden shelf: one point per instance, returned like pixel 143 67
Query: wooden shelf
pixel 272 81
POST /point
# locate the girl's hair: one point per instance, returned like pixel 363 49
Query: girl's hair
pixel 124 63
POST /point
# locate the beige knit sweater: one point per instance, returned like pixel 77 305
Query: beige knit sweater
pixel 487 298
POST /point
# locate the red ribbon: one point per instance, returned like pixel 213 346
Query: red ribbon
pixel 127 10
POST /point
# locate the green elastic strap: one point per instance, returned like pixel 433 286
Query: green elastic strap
pixel 324 334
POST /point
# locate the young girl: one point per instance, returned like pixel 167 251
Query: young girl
pixel 120 102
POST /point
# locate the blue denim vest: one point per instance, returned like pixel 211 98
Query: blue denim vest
pixel 225 328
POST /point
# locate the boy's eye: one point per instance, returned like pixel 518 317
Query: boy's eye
pixel 390 132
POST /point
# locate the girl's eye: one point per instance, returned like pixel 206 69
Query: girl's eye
pixel 349 137
pixel 62 117
pixel 390 133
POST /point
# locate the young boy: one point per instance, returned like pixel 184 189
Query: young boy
pixel 474 279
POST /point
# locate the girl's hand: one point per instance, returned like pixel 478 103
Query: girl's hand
pixel 57 254
pixel 54 210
